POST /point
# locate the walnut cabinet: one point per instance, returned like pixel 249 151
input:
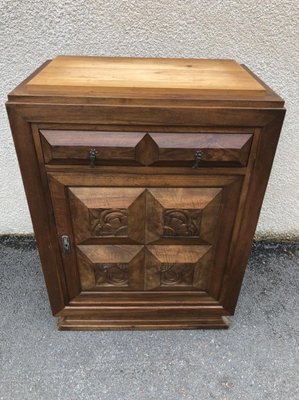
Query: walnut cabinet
pixel 144 179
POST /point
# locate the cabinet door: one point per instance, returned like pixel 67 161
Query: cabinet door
pixel 165 233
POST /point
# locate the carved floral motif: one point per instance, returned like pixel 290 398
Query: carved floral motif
pixel 179 222
pixel 109 222
pixel 176 274
pixel 111 274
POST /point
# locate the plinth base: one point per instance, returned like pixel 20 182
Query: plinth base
pixel 70 323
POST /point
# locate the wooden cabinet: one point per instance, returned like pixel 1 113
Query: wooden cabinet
pixel 144 180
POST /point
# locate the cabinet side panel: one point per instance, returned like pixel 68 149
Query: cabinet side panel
pixel 40 208
pixel 242 240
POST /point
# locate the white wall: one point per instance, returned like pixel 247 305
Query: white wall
pixel 264 35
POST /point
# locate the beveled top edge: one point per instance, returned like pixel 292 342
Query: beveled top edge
pixel 266 99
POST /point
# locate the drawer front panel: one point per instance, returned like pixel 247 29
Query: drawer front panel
pixel 144 148
pixel 215 148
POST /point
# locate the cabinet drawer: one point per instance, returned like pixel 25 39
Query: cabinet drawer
pixel 144 148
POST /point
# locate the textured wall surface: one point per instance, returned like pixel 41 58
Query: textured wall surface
pixel 264 35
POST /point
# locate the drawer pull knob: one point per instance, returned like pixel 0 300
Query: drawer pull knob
pixel 198 156
pixel 92 157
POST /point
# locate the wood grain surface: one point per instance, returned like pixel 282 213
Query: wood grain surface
pixel 145 148
pixel 103 72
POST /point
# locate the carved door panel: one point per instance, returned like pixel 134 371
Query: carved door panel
pixel 144 238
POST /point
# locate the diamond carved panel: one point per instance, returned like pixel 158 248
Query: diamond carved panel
pixel 145 215
pixel 143 267
pixel 177 267
pixel 99 213
pixel 189 212
pixel 111 266
pixel 144 238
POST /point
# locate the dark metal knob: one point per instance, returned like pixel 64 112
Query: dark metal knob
pixel 92 156
pixel 198 156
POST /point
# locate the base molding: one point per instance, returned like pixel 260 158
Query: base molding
pixel 143 311
pixel 84 324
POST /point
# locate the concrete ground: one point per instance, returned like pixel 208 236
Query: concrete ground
pixel 257 358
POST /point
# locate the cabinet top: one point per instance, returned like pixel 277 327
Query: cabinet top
pixel 123 73
pixel 147 78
